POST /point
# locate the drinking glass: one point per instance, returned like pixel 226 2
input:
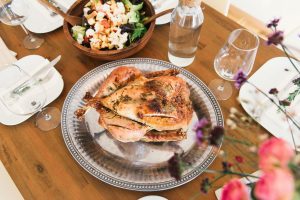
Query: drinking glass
pixel 22 94
pixel 238 53
pixel 14 13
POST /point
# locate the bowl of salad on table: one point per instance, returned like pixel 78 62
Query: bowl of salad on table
pixel 110 29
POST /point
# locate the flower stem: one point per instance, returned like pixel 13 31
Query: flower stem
pixel 216 179
pixel 288 56
pixel 237 141
pixel 230 172
pixel 290 128
pixel 278 106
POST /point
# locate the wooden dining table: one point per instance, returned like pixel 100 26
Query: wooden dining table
pixel 41 165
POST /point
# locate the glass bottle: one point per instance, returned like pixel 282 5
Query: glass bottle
pixel 185 26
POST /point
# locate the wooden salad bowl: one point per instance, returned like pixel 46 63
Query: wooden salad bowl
pixel 77 10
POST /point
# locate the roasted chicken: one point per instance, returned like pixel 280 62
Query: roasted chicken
pixel 151 107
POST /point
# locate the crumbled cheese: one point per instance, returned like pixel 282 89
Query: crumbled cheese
pixel 89 32
pixel 100 16
pixel 121 7
pixel 117 39
pixel 98 27
pixel 79 38
pixel 106 7
pixel 85 11
pixel 91 21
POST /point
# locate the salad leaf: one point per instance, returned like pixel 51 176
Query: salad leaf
pixel 133 16
pixel 78 33
pixel 127 4
pixel 136 1
pixel 139 31
pixel 132 7
pixel 137 7
pixel 78 30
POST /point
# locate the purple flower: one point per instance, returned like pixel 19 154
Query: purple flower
pixel 297 81
pixel 199 128
pixel 216 135
pixel 275 38
pixel 273 23
pixel 205 185
pixel 199 136
pixel 240 78
pixel 273 91
pixel 174 166
pixel 285 102
pixel 203 122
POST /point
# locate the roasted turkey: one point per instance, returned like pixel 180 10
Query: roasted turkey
pixel 152 107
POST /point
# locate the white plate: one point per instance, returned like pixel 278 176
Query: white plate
pixel 40 21
pixel 161 5
pixel 275 73
pixel 152 197
pixel 53 87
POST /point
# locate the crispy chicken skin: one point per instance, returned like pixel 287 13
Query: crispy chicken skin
pixel 154 107
pixel 117 79
pixel 161 103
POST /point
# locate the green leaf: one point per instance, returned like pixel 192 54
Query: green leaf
pixel 137 7
pixel 134 16
pixel 293 95
pixel 138 32
pixel 127 4
pixel 76 30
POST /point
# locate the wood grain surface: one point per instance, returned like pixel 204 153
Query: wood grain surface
pixel 39 162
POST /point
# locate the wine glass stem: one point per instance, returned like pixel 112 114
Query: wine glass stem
pixel 46 116
pixel 221 87
pixel 32 39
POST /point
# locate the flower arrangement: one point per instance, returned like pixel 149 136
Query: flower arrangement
pixel 278 162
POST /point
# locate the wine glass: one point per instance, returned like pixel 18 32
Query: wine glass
pixel 238 53
pixel 22 94
pixel 14 13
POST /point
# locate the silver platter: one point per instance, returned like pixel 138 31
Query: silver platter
pixel 136 166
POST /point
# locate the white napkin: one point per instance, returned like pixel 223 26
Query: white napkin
pixel 6 56
pixel 8 189
pixel 244 180
pixel 65 4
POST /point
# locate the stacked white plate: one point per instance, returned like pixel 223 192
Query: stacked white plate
pixel 52 82
pixel 40 19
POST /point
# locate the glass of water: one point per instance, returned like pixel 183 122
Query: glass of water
pixel 14 13
pixel 23 94
pixel 239 52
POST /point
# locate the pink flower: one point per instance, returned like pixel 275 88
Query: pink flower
pixel 235 190
pixel 274 153
pixel 277 184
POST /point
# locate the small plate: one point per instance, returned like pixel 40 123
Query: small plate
pixel 161 5
pixel 53 85
pixel 40 21
pixel 275 73
pixel 139 166
pixel 152 197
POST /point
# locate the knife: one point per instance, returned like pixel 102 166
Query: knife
pixel 47 67
pixel 44 70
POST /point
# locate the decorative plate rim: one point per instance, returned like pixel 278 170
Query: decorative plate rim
pixel 148 187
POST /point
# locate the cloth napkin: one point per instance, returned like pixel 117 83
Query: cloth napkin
pixel 8 189
pixel 6 56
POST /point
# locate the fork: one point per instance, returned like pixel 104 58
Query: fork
pixel 52 14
